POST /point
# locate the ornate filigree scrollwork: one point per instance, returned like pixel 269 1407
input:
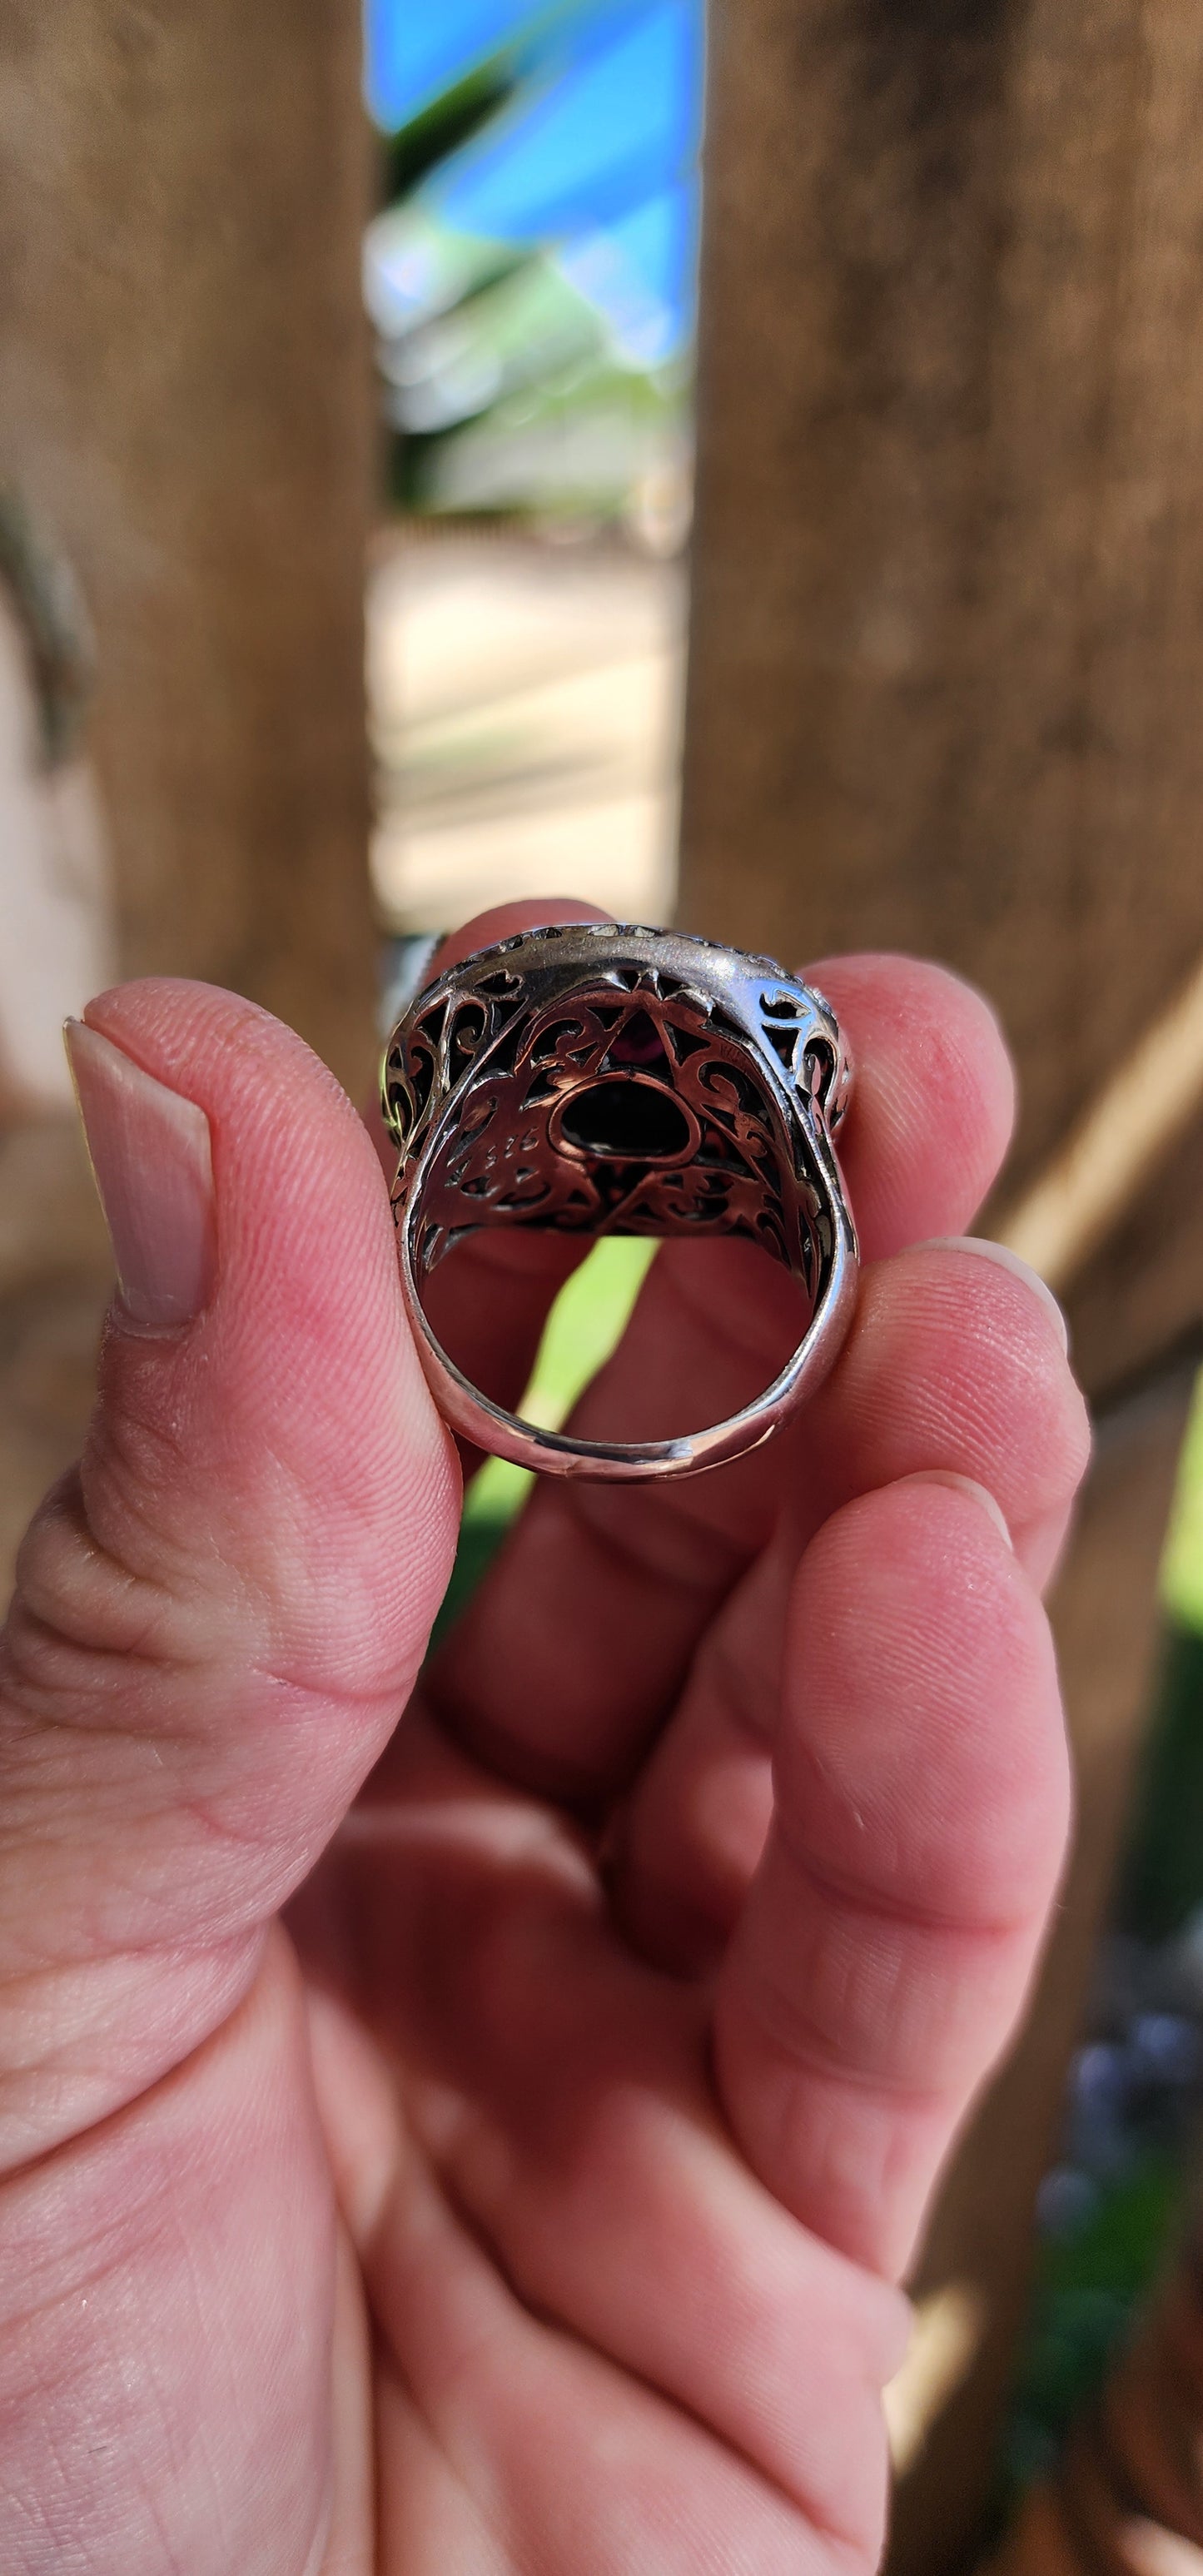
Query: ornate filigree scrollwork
pixel 636 1102
pixel 607 1079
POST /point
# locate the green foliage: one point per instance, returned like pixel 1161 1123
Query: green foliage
pixel 1162 1883
pixel 586 1323
pixel 1085 2293
pixel 450 120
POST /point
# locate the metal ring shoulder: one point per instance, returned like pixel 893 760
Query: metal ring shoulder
pixel 611 1078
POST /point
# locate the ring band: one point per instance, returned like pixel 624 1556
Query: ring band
pixel 604 1079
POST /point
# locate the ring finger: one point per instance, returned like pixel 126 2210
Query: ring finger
pixel 956 1369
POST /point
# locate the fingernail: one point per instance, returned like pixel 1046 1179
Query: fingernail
pixel 979 1494
pixel 153 1165
pixel 1004 1259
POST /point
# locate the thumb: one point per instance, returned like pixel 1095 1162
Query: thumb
pixel 220 1613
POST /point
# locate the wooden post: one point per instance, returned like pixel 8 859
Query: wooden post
pixel 185 420
pixel 947 658
pixel 184 405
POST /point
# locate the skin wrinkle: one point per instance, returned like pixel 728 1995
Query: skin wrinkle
pixel 173 1793
pixel 740 1693
pixel 486 2242
pixel 91 1668
pixel 393 2380
pixel 64 1575
pixel 248 1600
pixel 184 2031
pixel 714 1559
pixel 219 1825
pixel 954 1420
pixel 132 1958
pixel 151 2475
pixel 427 2414
pixel 60 2113
pixel 524 2283
pixel 118 1474
pixel 992 1379
pixel 874 2090
pixel 728 1690
pixel 832 1885
pixel 83 2285
pixel 920 1838
pixel 877 2165
pixel 37 1666
pixel 143 2217
pixel 471 1723
pixel 505 2260
pixel 35 1635
pixel 678 1282
pixel 497 2530
pixel 805 2048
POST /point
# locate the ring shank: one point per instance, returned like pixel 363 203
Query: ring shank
pixel 526 1444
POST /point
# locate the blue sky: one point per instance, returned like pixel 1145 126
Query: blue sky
pixel 593 158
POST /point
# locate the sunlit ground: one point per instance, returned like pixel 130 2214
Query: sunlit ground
pixel 525 710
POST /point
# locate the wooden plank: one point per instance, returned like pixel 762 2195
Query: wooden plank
pixel 1144 1286
pixel 184 401
pixel 980 2239
pixel 946 655
pixel 55 1279
pixel 185 412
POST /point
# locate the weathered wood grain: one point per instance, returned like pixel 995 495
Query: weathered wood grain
pixel 947 647
pixel 184 400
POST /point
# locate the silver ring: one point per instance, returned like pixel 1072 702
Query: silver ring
pixel 603 1079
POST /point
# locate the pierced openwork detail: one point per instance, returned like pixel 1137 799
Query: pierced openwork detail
pixel 609 1079
pixel 635 1106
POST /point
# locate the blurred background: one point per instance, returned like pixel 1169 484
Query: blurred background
pixel 531 282
pixel 742 467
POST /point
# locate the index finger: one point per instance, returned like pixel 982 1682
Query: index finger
pixel 577 1641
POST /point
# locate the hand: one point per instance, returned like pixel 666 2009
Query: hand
pixel 535 2201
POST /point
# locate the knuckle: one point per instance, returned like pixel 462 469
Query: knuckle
pixel 945 1779
pixel 965 1365
pixel 73 1596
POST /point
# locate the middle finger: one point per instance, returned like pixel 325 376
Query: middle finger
pixel 578 1640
